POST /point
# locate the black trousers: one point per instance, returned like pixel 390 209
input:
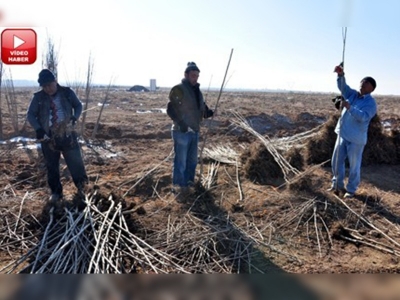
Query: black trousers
pixel 68 146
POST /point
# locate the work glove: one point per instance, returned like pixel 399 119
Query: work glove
pixel 208 113
pixel 338 101
pixel 73 120
pixel 40 133
pixel 183 126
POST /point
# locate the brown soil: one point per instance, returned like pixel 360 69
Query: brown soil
pixel 302 227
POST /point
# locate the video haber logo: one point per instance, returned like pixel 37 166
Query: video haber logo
pixel 18 46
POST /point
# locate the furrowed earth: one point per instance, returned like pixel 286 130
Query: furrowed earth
pixel 294 223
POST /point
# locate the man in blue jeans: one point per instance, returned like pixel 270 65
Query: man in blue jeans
pixel 53 112
pixel 186 108
pixel 359 107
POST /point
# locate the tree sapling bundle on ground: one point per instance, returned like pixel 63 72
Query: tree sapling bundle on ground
pixel 260 166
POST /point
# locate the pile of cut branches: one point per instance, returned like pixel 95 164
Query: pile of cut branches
pixel 98 238
pixel 101 236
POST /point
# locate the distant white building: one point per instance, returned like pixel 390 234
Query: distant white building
pixel 153 85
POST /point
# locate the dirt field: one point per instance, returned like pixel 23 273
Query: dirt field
pixel 295 225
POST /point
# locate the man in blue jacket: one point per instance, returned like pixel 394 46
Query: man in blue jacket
pixel 186 108
pixel 53 112
pixel 358 108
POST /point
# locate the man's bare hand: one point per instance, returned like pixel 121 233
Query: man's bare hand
pixel 339 70
pixel 346 104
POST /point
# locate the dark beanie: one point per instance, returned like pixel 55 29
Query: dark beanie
pixel 191 66
pixel 370 80
pixel 46 76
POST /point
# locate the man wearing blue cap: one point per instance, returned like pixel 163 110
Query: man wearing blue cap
pixel 358 108
pixel 53 112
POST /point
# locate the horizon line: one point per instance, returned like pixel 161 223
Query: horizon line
pixel 33 83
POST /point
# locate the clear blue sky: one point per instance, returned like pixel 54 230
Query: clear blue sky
pixel 280 44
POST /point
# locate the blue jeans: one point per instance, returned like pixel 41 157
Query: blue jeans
pixel 71 152
pixel 185 161
pixel 353 152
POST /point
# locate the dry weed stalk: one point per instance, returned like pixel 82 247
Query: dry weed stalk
pixel 16 229
pixel 213 245
pixel 310 210
pixel 142 177
pixel 251 230
pixel 239 185
pixel 287 170
pixel 209 180
pixel 303 174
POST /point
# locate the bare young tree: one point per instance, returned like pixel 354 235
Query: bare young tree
pixel 88 88
pixel 50 57
pixel 106 97
pixel 11 102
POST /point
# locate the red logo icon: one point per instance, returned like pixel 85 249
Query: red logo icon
pixel 18 46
